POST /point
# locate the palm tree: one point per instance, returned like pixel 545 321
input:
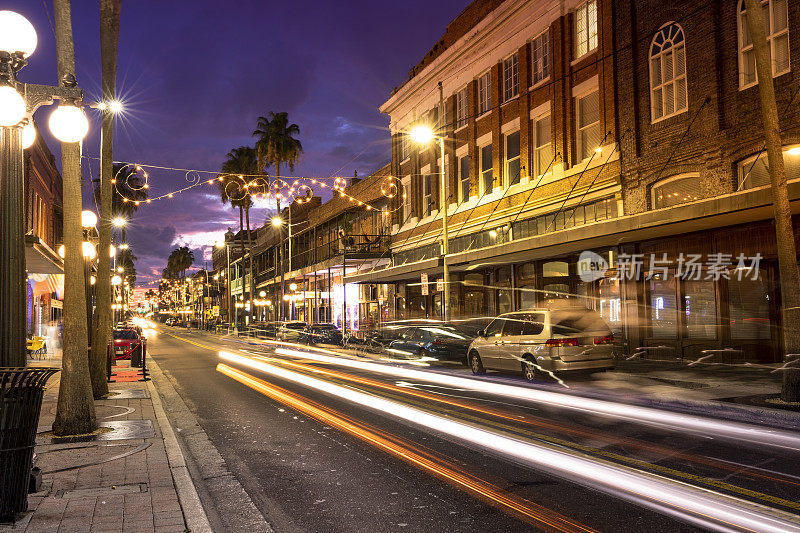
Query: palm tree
pixel 180 260
pixel 241 161
pixel 75 412
pixel 276 144
pixel 101 334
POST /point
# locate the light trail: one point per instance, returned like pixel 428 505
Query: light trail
pixel 672 421
pixel 525 509
pixel 700 507
pixel 546 424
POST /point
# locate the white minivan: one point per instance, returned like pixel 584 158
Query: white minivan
pixel 537 341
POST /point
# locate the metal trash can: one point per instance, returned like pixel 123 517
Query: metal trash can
pixel 136 356
pixel 21 391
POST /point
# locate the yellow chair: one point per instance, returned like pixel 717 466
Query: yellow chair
pixel 37 346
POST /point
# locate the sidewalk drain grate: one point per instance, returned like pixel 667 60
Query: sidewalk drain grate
pixel 120 430
pixel 114 490
pixel 127 394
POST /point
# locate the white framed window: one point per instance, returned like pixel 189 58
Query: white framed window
pixel 754 171
pixel 540 57
pixel 512 163
pixel 485 93
pixel 542 142
pixel 403 140
pixel 676 190
pixel 585 28
pixel 587 113
pixel 510 77
pixel 668 73
pixel 461 108
pixel 776 21
pixel 487 176
pixel 463 178
pixel 406 182
pixel 427 194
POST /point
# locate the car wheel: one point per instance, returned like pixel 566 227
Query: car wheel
pixel 423 353
pixel 476 364
pixel 532 373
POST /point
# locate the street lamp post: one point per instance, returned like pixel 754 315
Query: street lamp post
pixel 16 123
pixel 424 135
pixel 225 244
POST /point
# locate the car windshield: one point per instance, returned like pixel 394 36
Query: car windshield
pixel 125 334
pixel 296 325
pixel 324 327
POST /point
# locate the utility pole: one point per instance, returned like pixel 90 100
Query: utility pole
pixel 446 314
pixel 784 234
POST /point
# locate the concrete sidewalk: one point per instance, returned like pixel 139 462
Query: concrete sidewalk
pixel 126 477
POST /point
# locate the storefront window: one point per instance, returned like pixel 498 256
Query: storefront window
pixel 555 291
pixel 749 308
pixel 504 301
pixel 555 269
pixel 700 308
pixel 609 303
pixel 527 298
pixel 663 308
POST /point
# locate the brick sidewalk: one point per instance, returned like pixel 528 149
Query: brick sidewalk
pixel 119 482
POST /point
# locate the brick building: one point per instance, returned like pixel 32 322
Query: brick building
pixel 43 234
pixel 625 128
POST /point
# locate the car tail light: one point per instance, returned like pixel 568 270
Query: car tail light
pixel 438 342
pixel 608 339
pixel 561 342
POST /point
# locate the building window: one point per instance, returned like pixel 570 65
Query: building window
pixel 403 139
pixel 587 109
pixel 510 78
pixel 512 166
pixel 777 25
pixel 586 28
pixel 540 57
pixel 543 150
pixel 675 191
pixel 461 108
pixel 754 171
pixel 668 72
pixel 463 177
pixel 485 93
pixel 487 179
pixel 406 198
pixel 427 194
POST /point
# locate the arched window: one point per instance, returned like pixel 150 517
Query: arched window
pixel 676 190
pixel 668 72
pixel 776 20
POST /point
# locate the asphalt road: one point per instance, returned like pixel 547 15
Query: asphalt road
pixel 321 460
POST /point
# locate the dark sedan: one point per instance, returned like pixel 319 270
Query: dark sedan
pixel 321 334
pixel 442 342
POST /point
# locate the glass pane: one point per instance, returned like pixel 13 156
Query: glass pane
pixel 680 90
pixel 680 61
pixel 749 308
pixel 668 66
pixel 504 301
pixel 556 291
pixel 663 308
pixel 543 131
pixel 555 269
pixel 655 67
pixel 527 298
pixel 745 29
pixel 780 53
pixel 658 110
pixel 779 13
pixel 677 192
pixel 700 308
pixel 512 145
pixel 486 157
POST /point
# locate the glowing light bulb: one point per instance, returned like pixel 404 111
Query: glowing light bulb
pixel 17 34
pixel 12 106
pixel 28 135
pixel 68 123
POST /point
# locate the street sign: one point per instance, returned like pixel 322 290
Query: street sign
pixel 440 285
pixel 424 280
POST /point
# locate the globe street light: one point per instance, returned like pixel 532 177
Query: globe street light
pixel 88 219
pixel 18 102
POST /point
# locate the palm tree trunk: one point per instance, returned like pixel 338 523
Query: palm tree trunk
pixel 75 412
pixel 250 261
pixel 787 252
pixel 281 302
pixel 109 40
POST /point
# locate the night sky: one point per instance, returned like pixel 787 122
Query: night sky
pixel 194 77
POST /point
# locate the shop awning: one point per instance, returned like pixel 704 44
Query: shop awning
pixel 397 273
pixel 40 258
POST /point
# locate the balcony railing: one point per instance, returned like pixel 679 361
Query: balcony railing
pixel 355 245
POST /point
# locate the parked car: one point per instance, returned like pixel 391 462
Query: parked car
pixel 441 341
pixel 321 334
pixel 544 340
pixel 125 342
pixel 290 331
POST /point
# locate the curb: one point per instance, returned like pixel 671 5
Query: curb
pixel 193 512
